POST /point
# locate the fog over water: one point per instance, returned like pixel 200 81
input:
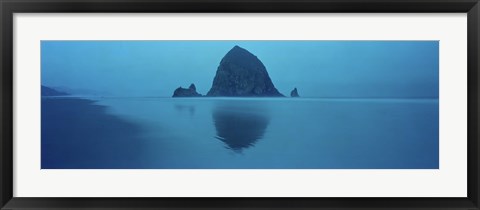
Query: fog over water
pixel 362 105
pixel 387 69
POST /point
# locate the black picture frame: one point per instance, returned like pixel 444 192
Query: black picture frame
pixel 9 7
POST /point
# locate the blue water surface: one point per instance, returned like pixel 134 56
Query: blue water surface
pixel 239 133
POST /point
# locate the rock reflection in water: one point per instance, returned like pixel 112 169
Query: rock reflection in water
pixel 189 108
pixel 239 127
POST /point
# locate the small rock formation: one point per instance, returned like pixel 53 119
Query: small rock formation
pixel 294 93
pixel 46 91
pixel 242 74
pixel 186 92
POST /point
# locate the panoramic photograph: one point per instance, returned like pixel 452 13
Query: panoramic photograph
pixel 236 104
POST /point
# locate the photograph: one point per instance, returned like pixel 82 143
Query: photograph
pixel 239 104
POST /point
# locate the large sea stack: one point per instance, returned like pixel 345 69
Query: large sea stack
pixel 242 74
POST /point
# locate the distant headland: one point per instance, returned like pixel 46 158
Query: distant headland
pixel 240 74
pixel 47 91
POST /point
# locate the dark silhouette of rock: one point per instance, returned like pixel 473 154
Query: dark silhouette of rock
pixel 242 74
pixel 294 93
pixel 186 92
pixel 46 91
pixel 239 127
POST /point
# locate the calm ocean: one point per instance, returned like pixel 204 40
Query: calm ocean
pixel 239 133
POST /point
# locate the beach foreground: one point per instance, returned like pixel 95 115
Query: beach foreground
pixel 239 133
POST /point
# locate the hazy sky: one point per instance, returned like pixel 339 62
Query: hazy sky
pixel 317 68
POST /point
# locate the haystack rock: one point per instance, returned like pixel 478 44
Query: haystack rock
pixel 294 93
pixel 242 74
pixel 186 92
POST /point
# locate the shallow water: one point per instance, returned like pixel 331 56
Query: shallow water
pixel 239 133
